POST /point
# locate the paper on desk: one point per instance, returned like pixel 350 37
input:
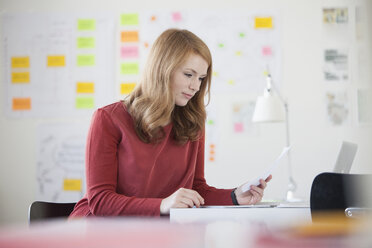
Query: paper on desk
pixel 268 172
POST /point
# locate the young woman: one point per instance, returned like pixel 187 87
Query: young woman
pixel 145 154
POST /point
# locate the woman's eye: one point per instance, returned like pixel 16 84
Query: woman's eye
pixel 188 75
pixel 201 79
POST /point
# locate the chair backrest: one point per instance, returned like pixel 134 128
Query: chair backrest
pixel 40 210
pixel 334 192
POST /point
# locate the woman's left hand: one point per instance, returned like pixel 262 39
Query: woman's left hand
pixel 252 196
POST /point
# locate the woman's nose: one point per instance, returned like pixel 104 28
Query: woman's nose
pixel 195 85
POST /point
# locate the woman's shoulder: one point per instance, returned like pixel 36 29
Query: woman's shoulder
pixel 114 108
pixel 116 112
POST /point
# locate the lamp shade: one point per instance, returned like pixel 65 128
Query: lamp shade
pixel 268 108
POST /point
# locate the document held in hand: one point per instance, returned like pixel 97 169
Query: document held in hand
pixel 268 172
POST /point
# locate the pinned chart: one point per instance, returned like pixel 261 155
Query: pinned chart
pixel 55 65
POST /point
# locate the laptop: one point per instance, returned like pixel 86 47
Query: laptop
pixel 345 157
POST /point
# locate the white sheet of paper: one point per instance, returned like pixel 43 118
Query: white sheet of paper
pixel 268 172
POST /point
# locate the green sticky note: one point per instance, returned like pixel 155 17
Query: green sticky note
pixel 129 68
pixel 241 35
pixel 86 42
pixel 210 122
pixel 86 60
pixel 86 25
pixel 221 45
pixel 84 102
pixel 129 19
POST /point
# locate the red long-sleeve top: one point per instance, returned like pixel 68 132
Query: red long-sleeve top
pixel 126 176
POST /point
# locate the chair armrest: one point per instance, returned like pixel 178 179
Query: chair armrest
pixel 356 212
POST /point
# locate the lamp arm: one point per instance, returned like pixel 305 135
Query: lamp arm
pixel 272 86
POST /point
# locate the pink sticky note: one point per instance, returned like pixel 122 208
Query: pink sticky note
pixel 129 52
pixel 266 51
pixel 238 127
pixel 177 16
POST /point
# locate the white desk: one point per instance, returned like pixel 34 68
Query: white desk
pixel 271 216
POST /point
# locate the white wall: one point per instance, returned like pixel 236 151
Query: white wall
pixel 316 143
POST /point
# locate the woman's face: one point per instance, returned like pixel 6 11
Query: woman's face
pixel 187 78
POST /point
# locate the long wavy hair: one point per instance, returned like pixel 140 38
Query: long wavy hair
pixel 151 104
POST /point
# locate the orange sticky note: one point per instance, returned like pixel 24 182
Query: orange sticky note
pixel 84 87
pixel 56 60
pixel 263 22
pixel 20 62
pixel 21 103
pixel 20 77
pixel 129 36
pixel 127 88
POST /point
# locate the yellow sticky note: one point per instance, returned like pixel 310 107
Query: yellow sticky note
pixel 129 36
pixel 82 87
pixel 72 184
pixel 84 102
pixel 56 60
pixel 20 62
pixel 129 19
pixel 129 68
pixel 263 22
pixel 86 60
pixel 86 25
pixel 85 42
pixel 21 103
pixel 127 88
pixel 20 77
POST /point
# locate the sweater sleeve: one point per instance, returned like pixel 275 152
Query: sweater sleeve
pixel 211 195
pixel 101 171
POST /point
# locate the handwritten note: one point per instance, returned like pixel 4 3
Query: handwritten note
pixel 177 16
pixel 129 36
pixel 266 51
pixel 21 103
pixel 56 60
pixel 84 103
pixel 129 19
pixel 263 22
pixel 85 42
pixel 84 87
pixel 20 77
pixel 126 88
pixel 72 184
pixel 129 68
pixel 86 60
pixel 129 52
pixel 86 25
pixel 20 62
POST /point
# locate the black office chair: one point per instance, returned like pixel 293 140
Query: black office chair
pixel 337 194
pixel 40 210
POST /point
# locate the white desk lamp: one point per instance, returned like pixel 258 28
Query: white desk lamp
pixel 271 107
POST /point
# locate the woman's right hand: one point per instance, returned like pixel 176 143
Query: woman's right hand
pixel 182 198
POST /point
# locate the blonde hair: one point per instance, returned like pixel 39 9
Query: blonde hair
pixel 151 104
